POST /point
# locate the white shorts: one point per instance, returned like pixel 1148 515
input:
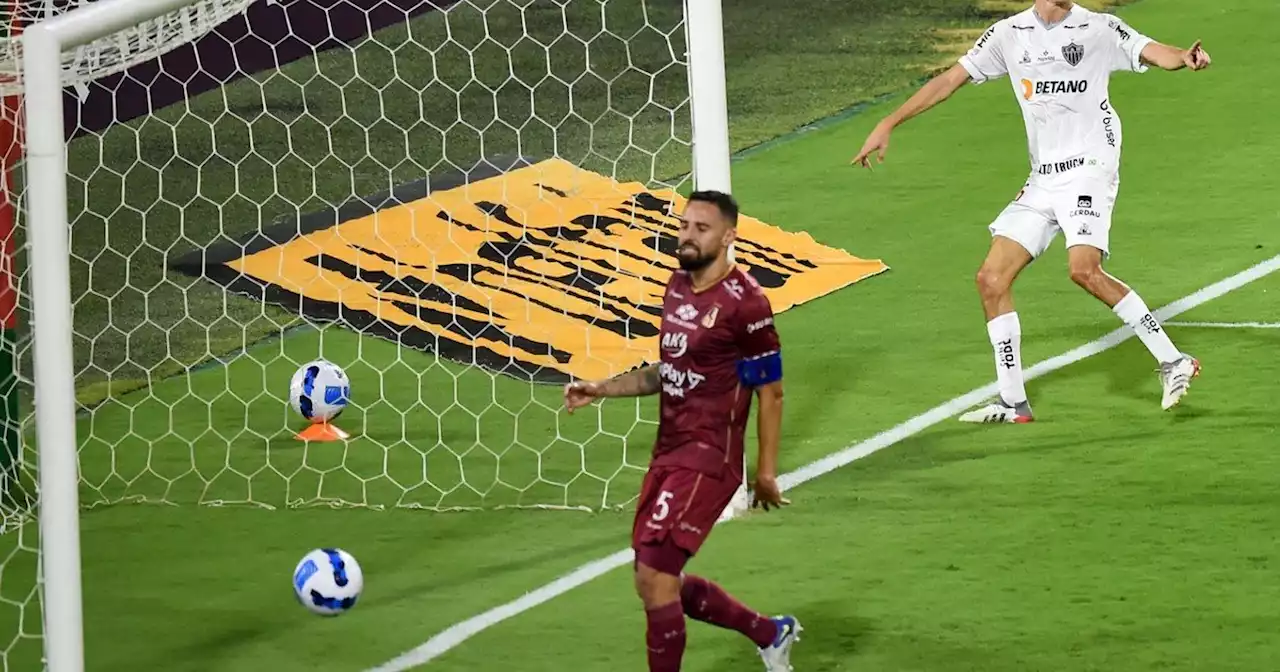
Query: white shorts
pixel 1077 203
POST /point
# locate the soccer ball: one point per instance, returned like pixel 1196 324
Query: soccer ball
pixel 319 391
pixel 328 581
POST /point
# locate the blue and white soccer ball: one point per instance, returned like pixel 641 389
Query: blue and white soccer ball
pixel 319 391
pixel 328 581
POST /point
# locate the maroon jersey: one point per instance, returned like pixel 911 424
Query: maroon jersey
pixel 706 338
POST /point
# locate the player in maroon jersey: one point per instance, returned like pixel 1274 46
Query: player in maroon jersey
pixel 719 347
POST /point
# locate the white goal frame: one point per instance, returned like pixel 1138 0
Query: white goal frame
pixel 43 44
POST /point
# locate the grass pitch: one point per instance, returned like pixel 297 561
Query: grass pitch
pixel 1108 535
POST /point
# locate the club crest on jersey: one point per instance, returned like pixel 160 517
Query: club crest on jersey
pixel 1074 53
pixel 709 320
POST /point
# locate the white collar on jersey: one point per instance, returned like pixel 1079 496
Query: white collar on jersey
pixel 1050 26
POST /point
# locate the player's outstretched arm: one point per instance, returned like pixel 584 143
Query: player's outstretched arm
pixel 769 429
pixel 1174 58
pixel 638 383
pixel 935 91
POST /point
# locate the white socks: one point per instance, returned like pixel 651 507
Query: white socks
pixel 1135 313
pixel 1006 339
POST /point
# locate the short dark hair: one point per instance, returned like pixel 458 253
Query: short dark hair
pixel 725 203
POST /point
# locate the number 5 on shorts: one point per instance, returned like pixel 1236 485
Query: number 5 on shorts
pixel 661 507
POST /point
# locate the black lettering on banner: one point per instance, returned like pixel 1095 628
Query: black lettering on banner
pixel 542 271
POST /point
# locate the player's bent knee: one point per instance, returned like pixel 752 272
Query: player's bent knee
pixel 991 283
pixel 1086 275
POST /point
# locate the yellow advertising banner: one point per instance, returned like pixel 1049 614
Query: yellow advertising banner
pixel 547 271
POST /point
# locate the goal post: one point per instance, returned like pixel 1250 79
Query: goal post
pixel 52 60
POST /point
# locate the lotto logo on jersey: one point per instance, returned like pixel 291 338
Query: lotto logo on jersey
pixel 676 381
pixel 1053 87
pixel 734 288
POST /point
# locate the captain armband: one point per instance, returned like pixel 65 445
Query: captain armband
pixel 761 369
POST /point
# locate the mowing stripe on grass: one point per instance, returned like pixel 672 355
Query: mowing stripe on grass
pixel 460 632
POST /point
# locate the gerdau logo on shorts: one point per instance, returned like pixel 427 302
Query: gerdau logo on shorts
pixel 1051 87
pixel 1084 208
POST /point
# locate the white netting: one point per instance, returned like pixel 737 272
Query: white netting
pixel 455 310
pixel 461 206
pixel 112 54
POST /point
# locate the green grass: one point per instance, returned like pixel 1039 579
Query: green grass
pixel 1108 535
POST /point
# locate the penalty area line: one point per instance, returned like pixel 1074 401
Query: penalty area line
pixel 460 632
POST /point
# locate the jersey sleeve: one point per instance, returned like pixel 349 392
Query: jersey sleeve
pixel 985 61
pixel 759 348
pixel 1126 46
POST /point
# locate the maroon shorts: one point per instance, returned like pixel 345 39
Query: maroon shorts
pixel 675 513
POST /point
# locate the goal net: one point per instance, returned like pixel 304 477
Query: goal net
pixel 463 209
pixel 462 203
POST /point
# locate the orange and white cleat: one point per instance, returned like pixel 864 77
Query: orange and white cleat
pixel 999 412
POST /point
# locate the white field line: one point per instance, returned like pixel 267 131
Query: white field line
pixel 1227 325
pixel 460 632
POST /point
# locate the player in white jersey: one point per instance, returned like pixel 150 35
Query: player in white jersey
pixel 1059 58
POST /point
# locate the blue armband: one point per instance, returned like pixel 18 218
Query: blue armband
pixel 761 370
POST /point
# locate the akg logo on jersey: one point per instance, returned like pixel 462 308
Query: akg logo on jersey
pixel 1053 87
pixel 675 343
pixel 675 382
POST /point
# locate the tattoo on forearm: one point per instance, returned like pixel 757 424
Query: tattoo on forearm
pixel 637 383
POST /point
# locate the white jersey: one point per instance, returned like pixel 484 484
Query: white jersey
pixel 1060 75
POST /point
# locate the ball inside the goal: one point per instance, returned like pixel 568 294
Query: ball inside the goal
pixel 319 391
pixel 328 581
